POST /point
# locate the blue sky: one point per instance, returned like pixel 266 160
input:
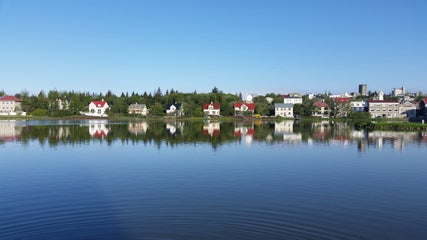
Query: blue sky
pixel 243 46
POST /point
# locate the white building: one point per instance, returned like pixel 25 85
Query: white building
pixel 284 110
pixel 97 109
pixel 287 99
pixel 358 106
pixel 10 105
pixel 384 109
pixel 212 109
pixel 138 109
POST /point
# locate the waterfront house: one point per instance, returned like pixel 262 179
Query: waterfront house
pixel 97 109
pixel 10 105
pixel 384 108
pixel 138 109
pixel 175 109
pixel 284 110
pixel 211 109
pixel 244 109
pixel 320 109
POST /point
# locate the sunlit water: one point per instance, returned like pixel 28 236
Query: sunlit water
pixel 103 180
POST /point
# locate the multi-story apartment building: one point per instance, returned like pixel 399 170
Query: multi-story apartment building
pixel 384 109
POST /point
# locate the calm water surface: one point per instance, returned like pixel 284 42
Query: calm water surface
pixel 210 180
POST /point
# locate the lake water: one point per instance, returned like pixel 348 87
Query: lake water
pixel 97 179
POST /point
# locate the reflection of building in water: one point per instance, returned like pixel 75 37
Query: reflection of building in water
pixel 283 127
pixel 9 131
pixel 138 128
pixel 62 132
pixel 396 139
pixel 320 130
pixel 172 127
pixel 211 128
pixel 286 129
pixel 245 132
pixel 98 129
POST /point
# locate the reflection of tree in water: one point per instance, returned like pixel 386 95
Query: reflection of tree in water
pixel 214 133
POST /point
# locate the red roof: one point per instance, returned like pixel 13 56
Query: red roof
pixel 215 105
pixel 320 104
pixel 251 106
pixel 99 103
pixel 425 100
pixel 383 101
pixel 341 100
pixel 10 98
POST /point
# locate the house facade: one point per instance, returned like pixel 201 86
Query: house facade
pixel 138 109
pixel 320 109
pixel 10 105
pixel 63 103
pixel 284 110
pixel 211 109
pixel 384 109
pixel 358 106
pixel 175 109
pixel 287 99
pixel 342 106
pixel 244 109
pixel 97 109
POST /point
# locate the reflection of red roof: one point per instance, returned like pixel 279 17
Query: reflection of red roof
pixel 99 103
pixel 10 98
pixel 341 138
pixel 341 100
pixel 214 105
pixel 251 106
pixel 215 132
pixel 10 138
pixel 100 134
pixel 320 104
pixel 238 132
pixel 319 135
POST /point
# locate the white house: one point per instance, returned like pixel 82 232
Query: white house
pixel 292 99
pixel 10 105
pixel 284 110
pixel 97 109
pixel 138 109
pixel 175 109
pixel 211 109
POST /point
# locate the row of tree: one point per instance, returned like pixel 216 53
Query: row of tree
pixel 46 104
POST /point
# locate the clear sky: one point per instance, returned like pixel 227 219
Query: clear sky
pixel 248 46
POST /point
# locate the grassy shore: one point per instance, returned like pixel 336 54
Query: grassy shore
pixel 392 126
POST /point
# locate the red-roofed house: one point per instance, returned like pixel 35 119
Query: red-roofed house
pixel 97 109
pixel 342 106
pixel 212 109
pixel 9 105
pixel 320 109
pixel 423 107
pixel 244 109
